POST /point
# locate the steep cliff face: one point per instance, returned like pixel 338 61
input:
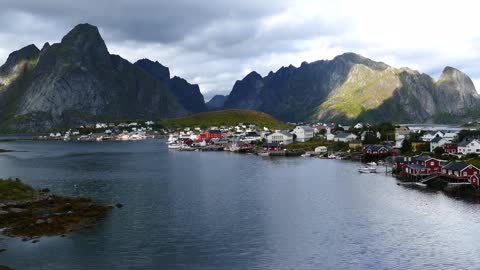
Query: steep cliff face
pixel 351 88
pixel 455 91
pixel 188 95
pixel 78 80
pixel 245 93
pixel 155 69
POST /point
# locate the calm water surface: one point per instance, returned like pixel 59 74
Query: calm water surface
pixel 227 211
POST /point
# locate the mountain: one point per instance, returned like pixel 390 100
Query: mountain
pixel 77 81
pixel 352 88
pixel 188 95
pixel 217 102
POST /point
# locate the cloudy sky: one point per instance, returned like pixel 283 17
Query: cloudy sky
pixel 214 43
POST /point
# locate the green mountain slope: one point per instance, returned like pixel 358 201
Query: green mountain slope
pixel 352 88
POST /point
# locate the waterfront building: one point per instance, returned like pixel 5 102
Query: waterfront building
pixel 280 136
pixel 303 133
pixel 271 147
pixel 459 171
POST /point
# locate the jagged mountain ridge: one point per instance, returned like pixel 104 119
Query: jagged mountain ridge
pixel 351 88
pixel 188 95
pixel 77 80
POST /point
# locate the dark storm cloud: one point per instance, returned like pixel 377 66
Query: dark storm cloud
pixel 151 21
pixel 213 43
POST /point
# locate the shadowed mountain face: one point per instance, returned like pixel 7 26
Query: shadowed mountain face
pixel 351 88
pixel 77 81
pixel 188 95
pixel 217 102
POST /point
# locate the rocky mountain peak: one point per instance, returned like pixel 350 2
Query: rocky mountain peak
pixel 216 102
pixel 453 79
pixel 85 39
pixel 29 52
pixel 155 69
pixel 45 46
pixel 349 59
pixel 252 76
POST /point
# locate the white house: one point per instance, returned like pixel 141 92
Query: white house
pixel 429 136
pixel 303 133
pixel 330 136
pixel 358 126
pixel 468 146
pixel 450 135
pixel 280 136
pixel 437 142
pixel 345 137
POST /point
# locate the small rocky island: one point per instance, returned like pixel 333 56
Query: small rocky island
pixel 30 214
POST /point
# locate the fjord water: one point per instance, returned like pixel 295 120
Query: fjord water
pixel 190 210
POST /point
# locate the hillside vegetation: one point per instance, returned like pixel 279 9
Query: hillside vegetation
pixel 14 190
pixel 226 117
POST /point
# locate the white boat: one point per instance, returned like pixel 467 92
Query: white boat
pixel 372 163
pixel 174 146
pixel 332 156
pixel 306 155
pixel 367 169
pixel 263 154
pixel 233 147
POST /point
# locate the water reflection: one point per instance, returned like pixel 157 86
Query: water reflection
pixel 227 211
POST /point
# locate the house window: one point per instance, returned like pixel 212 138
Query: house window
pixel 432 163
pixel 464 173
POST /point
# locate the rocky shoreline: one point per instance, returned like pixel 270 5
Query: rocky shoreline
pixel 32 214
pixel 461 192
pixel 49 216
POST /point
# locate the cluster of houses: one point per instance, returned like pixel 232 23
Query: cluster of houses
pixel 425 167
pixel 105 131
pixel 444 139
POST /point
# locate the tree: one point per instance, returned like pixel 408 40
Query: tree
pixel 467 133
pixel 406 146
pixel 438 151
pixel 370 138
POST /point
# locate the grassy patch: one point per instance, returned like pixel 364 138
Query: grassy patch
pixel 227 118
pixel 15 190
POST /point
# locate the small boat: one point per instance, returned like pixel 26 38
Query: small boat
pixel 332 156
pixel 174 146
pixel 263 154
pixel 372 163
pixel 306 155
pixel 367 169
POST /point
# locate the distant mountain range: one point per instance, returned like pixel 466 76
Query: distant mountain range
pixel 78 81
pixel 353 88
pixel 217 102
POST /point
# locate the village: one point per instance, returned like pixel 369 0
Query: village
pixel 131 131
pixel 413 153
